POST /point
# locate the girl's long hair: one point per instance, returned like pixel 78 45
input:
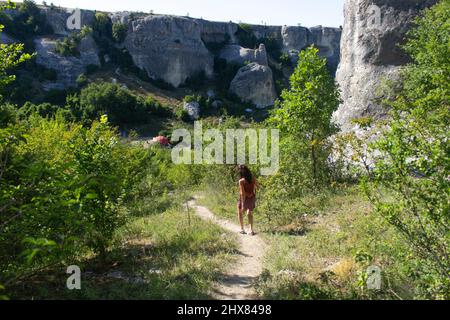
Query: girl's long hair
pixel 245 173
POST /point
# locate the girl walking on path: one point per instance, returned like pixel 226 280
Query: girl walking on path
pixel 247 197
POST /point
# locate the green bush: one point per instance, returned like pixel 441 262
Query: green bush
pixel 119 32
pixel 413 165
pixel 102 26
pixel 182 115
pixel 68 180
pixel 156 108
pixel 69 46
pixel 99 98
pixel 82 80
pixel 26 22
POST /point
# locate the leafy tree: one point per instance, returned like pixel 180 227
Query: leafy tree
pixel 413 166
pixel 27 22
pixel 10 56
pixel 307 108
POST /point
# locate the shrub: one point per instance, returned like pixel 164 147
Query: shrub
pixel 119 32
pixel 68 180
pixel 182 115
pixel 82 80
pixel 285 60
pixel 413 165
pixel 27 22
pixel 69 46
pixel 102 26
pixel 246 37
pixel 156 108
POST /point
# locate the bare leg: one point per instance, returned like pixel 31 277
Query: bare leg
pixel 250 221
pixel 241 218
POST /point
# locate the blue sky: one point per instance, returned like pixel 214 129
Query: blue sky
pixel 274 12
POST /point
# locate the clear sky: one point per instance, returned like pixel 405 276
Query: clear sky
pixel 273 12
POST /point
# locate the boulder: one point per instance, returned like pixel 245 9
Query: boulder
pixel 254 83
pixel 67 68
pixel 369 54
pixel 193 110
pixel 169 48
pixel 236 54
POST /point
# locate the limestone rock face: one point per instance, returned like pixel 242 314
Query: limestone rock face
pixel 67 68
pixel 369 53
pixel 218 32
pixel 327 40
pixel 295 38
pixel 169 48
pixel 254 83
pixel 57 18
pixel 238 55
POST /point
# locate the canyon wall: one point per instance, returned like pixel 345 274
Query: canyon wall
pixel 370 53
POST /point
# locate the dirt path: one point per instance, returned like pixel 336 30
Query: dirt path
pixel 238 281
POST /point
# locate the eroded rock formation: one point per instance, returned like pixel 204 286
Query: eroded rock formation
pixel 370 53
pixel 254 83
pixel 169 48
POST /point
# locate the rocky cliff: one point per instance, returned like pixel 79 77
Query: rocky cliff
pixel 370 52
pixel 175 49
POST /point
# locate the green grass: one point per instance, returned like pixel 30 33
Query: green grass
pixel 321 261
pixel 158 257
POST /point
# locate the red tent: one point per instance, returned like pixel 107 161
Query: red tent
pixel 162 141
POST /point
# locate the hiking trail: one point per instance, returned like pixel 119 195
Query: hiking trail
pixel 238 281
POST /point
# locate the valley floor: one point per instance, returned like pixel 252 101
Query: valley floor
pixel 197 253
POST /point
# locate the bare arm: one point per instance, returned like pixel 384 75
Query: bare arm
pixel 242 191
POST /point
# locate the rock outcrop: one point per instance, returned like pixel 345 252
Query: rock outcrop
pixel 169 48
pixel 192 109
pixel 236 54
pixel 254 83
pixel 67 68
pixel 218 32
pixel 370 52
pixel 57 18
pixel 327 40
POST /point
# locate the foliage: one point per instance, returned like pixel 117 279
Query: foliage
pixel 120 104
pixel 69 46
pixel 285 60
pixel 102 26
pixel 27 22
pixel 82 80
pixel 246 36
pixel 306 110
pixel 119 32
pixel 68 180
pixel 10 55
pixel 413 164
